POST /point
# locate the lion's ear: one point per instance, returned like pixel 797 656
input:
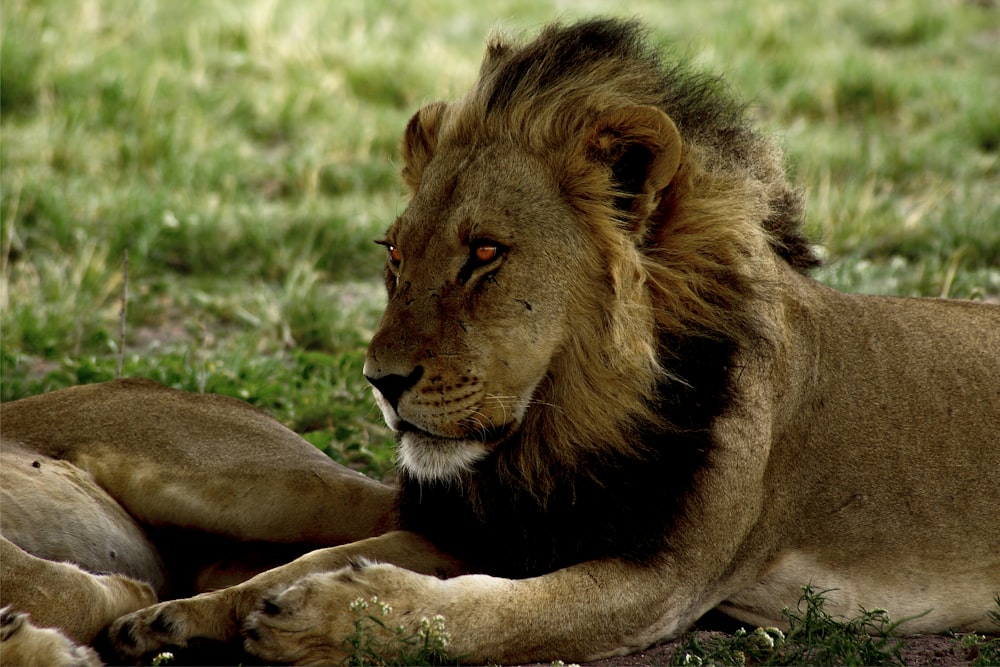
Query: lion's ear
pixel 642 148
pixel 419 142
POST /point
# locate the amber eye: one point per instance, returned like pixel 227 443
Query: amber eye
pixel 486 252
pixel 394 255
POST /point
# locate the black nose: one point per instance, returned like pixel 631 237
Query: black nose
pixel 392 386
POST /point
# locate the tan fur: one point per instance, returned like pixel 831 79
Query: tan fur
pixel 701 263
pixel 63 595
pixel 643 305
pixel 24 643
pixel 86 474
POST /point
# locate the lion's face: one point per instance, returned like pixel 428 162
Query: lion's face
pixel 484 269
pixel 503 283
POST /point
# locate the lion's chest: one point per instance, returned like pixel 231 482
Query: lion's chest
pixel 506 531
pixel 605 505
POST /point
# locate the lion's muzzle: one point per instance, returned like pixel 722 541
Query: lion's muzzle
pixel 391 385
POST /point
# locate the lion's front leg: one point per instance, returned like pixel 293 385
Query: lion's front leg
pixel 584 612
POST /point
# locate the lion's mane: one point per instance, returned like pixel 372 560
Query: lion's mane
pixel 634 400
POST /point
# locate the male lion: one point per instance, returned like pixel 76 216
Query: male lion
pixel 620 400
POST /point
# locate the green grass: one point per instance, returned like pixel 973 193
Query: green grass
pixel 814 637
pixel 984 651
pixel 244 154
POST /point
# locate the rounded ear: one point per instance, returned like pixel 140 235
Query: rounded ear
pixel 419 142
pixel 641 147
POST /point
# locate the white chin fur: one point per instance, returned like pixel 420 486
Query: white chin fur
pixel 431 459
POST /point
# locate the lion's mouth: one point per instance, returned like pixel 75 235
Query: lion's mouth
pixel 429 458
pixel 485 435
pixel 432 458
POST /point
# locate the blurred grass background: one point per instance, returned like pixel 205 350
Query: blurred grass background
pixel 244 153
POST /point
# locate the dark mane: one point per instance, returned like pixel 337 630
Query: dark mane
pixel 624 413
pixel 570 74
pixel 608 505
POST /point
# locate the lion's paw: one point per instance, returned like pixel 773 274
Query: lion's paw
pixel 322 618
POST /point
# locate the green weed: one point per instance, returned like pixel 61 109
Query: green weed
pixel 814 637
pixel 981 650
pixel 375 642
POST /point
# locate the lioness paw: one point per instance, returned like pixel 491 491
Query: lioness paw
pixel 150 630
pixel 24 643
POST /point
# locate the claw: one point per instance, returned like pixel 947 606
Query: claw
pixel 162 625
pixel 269 608
pixel 124 635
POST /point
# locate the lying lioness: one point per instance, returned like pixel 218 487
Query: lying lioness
pixel 620 402
pixel 162 493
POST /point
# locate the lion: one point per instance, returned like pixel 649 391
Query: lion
pixel 114 495
pixel 24 643
pixel 620 399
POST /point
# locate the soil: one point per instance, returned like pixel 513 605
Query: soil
pixel 919 651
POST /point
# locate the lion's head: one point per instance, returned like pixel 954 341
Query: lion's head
pixel 577 213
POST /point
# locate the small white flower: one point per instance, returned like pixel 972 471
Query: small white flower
pixel 778 635
pixel 762 639
pixel 164 658
pixel 432 632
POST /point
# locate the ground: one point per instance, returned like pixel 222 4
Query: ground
pixel 920 651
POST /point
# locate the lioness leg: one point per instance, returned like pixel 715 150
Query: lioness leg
pixel 201 462
pixel 24 643
pixel 63 596
pixel 220 615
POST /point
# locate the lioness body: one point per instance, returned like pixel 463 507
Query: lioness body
pixel 620 401
pixel 87 473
